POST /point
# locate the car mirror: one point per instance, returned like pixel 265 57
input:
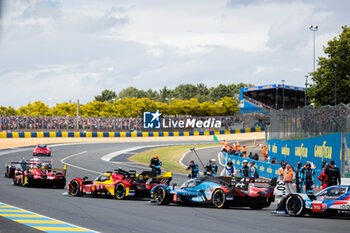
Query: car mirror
pixel 192 148
pixel 85 178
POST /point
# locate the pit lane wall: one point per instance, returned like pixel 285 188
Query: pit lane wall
pixel 125 134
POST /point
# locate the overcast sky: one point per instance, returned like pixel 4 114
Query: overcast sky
pixel 61 50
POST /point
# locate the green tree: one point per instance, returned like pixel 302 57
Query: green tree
pixel 38 108
pixel 106 95
pixel 336 63
pixel 185 91
pixel 228 106
pixel 129 92
pixel 64 109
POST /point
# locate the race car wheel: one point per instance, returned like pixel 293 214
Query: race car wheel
pixel 159 196
pixel 219 199
pixel 120 191
pixel 295 205
pixel 74 188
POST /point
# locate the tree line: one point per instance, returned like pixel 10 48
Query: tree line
pixel 127 107
pixel 182 92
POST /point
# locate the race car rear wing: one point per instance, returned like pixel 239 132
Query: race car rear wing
pixel 64 169
pixel 145 175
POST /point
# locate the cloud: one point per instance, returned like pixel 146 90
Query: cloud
pixel 64 50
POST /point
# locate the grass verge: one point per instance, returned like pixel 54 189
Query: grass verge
pixel 169 156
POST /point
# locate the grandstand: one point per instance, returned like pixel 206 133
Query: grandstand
pixel 269 97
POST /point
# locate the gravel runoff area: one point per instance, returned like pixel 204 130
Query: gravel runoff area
pixel 6 143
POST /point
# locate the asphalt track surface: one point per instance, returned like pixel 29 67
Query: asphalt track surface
pixel 111 215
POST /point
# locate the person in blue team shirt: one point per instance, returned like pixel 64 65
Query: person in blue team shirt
pixel 194 169
pixel 156 164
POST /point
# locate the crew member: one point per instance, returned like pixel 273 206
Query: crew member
pixel 244 151
pixel 228 169
pixel 245 171
pixel 194 169
pixel 214 167
pixel 23 164
pixel 298 182
pixel 208 169
pixel 307 176
pixel 156 165
pixel 281 171
pixel 333 174
pixel 288 179
pixel 253 170
pixel 323 177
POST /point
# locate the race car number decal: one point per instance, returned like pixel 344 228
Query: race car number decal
pixel 317 207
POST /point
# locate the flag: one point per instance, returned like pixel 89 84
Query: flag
pixel 215 138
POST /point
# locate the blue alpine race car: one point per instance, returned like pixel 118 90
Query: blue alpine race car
pixel 333 200
pixel 218 191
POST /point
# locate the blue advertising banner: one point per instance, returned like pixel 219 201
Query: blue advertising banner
pixel 315 150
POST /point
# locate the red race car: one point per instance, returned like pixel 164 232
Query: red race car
pixel 21 166
pixel 42 149
pixel 119 183
pixel 38 173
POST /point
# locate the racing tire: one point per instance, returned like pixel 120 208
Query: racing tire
pixel 120 191
pixel 219 199
pixel 34 154
pixel 160 196
pixel 295 205
pixel 74 188
pixel 49 154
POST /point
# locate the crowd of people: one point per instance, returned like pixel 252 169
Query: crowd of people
pixel 22 123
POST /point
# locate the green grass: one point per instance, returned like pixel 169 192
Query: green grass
pixel 169 156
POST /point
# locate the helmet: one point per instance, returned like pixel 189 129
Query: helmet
pixel 298 163
pixel 229 161
pixel 213 160
pixel 252 162
pixel 156 157
pixel 284 164
pixel 245 161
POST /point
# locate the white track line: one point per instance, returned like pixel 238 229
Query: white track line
pixel 110 156
pixel 81 168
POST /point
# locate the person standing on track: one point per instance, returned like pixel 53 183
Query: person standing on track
pixel 244 151
pixel 281 171
pixel 333 174
pixel 323 177
pixel 194 169
pixel 253 170
pixel 245 171
pixel 156 164
pixel 214 167
pixel 298 182
pixel 307 176
pixel 228 169
pixel 288 179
